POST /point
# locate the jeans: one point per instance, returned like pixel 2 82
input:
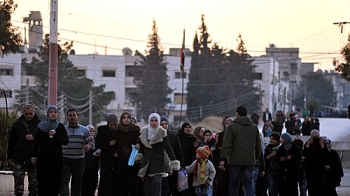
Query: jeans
pixel 273 184
pixel 204 190
pixel 74 167
pixel 244 171
pixel 255 177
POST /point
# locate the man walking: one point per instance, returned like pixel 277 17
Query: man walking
pixel 19 151
pixel 80 141
pixel 241 149
pixel 267 116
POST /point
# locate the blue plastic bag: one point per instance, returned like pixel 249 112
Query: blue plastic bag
pixel 132 155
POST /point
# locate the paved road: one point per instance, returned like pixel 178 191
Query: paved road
pixel 338 130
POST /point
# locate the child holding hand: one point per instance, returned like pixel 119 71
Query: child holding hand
pixel 204 172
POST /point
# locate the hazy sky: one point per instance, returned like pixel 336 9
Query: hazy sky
pixel 305 24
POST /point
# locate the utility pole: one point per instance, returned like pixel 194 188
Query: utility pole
pixel 341 24
pixel 90 108
pixel 53 54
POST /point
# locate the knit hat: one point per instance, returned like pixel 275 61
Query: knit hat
pixel 203 152
pixel 112 118
pixel 164 118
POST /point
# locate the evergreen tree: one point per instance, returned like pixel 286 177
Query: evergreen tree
pixel 344 68
pixel 74 87
pixel 200 80
pixel 152 81
pixel 318 87
pixel 10 38
pixel 219 80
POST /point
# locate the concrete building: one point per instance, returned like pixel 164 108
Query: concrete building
pixel 288 76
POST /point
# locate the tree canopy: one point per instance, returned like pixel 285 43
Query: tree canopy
pixel 344 68
pixel 152 81
pixel 319 90
pixel 10 38
pixel 73 88
pixel 220 79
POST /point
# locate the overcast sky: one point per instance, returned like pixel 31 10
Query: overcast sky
pixel 305 24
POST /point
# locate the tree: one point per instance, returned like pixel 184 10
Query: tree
pixel 152 82
pixel 73 87
pixel 344 68
pixel 318 88
pixel 10 38
pixel 6 121
pixel 199 84
pixel 220 80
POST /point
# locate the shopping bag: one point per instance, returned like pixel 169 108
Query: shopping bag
pixel 132 155
pixel 182 181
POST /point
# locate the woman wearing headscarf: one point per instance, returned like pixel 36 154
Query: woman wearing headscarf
pixel 198 133
pixel 222 175
pixel 316 154
pixel 92 161
pixel 187 141
pixel 287 156
pixel 334 171
pixel 106 140
pixel 47 153
pixel 169 184
pixel 155 143
pixel 127 135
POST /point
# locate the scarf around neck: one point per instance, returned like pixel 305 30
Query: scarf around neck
pixel 202 171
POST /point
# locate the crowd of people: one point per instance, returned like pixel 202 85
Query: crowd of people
pixel 121 158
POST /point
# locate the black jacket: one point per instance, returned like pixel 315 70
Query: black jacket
pixel 19 149
pixel 176 146
pixel 187 145
pixel 104 136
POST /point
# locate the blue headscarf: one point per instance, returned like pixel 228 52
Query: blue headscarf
pixel 49 124
pixel 287 140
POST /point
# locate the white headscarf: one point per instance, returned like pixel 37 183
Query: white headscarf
pixel 152 131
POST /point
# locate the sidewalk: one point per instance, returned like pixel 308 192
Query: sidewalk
pixel 344 189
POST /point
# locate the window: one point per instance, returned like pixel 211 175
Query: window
pixel 8 94
pixel 108 73
pixel 82 72
pixel 257 76
pixel 130 71
pixel 6 72
pixel 130 94
pixel 178 75
pixel 293 69
pixel 178 97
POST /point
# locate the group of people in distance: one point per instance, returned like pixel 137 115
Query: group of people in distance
pixel 121 158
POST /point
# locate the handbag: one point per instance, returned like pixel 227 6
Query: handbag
pixel 182 181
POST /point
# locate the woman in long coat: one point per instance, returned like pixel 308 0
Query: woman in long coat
pixel 287 156
pixel 155 143
pixel 188 145
pixel 47 153
pixel 334 170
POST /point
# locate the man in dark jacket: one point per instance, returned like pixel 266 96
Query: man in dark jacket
pixel 255 117
pixel 241 149
pixel 19 151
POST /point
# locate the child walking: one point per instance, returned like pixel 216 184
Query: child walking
pixel 204 172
